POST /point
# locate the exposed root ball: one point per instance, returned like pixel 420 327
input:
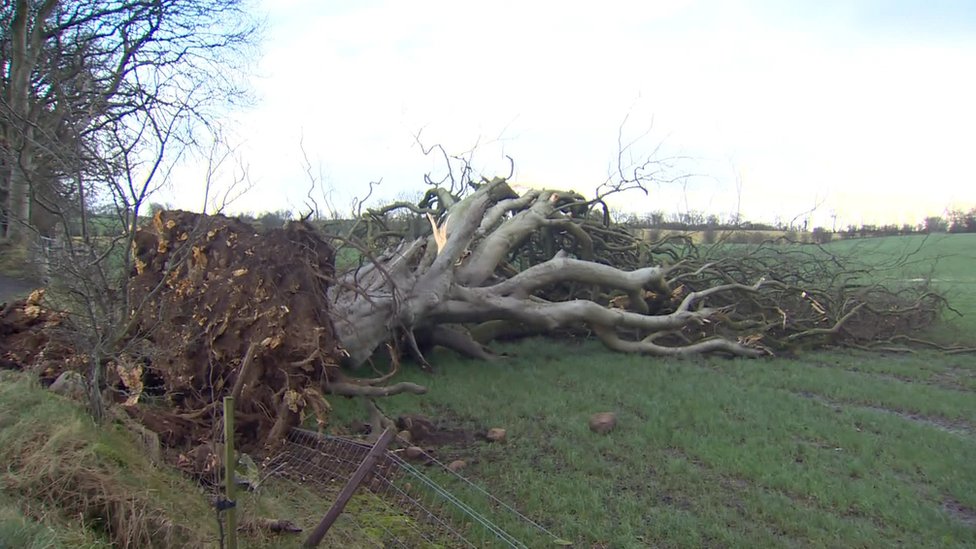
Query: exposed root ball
pixel 213 289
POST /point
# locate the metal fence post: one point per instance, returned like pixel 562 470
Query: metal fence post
pixel 229 480
pixel 350 488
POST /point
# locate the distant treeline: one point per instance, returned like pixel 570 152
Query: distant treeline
pixel 711 227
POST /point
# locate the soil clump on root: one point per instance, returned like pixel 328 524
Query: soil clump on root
pixel 229 311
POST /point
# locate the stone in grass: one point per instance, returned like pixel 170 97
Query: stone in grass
pixel 496 434
pixel 456 465
pixel 69 384
pixel 414 452
pixel 404 437
pixel 603 422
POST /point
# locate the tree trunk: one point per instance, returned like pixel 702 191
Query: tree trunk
pixel 26 40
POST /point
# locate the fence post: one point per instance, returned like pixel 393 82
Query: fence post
pixel 350 488
pixel 229 465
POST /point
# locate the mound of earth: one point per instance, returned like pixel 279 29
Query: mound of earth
pixel 222 310
pixel 27 338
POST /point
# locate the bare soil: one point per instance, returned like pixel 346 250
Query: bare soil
pixel 234 290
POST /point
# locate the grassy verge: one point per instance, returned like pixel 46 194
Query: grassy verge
pixel 98 483
pixel 20 531
pixel 67 483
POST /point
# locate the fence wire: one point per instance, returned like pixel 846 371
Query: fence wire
pixel 399 505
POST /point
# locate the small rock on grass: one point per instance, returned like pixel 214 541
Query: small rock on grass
pixel 496 434
pixel 414 452
pixel 419 427
pixel 69 384
pixel 456 465
pixel 603 422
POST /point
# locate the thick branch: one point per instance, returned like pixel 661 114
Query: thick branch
pixel 465 221
pixel 563 269
pixel 350 389
pixel 612 341
pixel 473 306
pixel 460 342
pixel 496 247
pixel 494 215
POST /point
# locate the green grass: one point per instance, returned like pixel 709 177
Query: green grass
pixel 948 259
pixel 829 449
pixel 67 483
pixel 835 449
pixel 19 531
pixel 67 475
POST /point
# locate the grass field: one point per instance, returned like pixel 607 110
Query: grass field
pixel 949 260
pixel 830 449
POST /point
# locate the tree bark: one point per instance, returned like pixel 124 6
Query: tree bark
pixel 26 39
pixel 469 281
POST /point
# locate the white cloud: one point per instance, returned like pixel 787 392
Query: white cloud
pixel 881 130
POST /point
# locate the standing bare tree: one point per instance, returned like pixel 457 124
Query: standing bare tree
pixel 99 100
pixel 87 88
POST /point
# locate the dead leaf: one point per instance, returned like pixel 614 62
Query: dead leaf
pixel 294 400
pixel 132 380
pixel 35 297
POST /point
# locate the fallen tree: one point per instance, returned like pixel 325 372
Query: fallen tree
pixel 272 320
pixel 496 263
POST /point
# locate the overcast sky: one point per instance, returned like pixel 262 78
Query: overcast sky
pixel 865 109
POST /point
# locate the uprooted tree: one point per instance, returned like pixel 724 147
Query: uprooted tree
pixel 273 320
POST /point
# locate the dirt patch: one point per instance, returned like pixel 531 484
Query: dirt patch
pixel 955 379
pixel 427 431
pixel 957 427
pixel 958 511
pixel 27 342
pixel 924 490
pixel 440 432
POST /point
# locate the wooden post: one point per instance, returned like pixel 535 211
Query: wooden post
pixel 229 466
pixel 242 373
pixel 350 488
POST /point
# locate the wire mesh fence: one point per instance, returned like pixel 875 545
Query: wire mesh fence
pixel 400 505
